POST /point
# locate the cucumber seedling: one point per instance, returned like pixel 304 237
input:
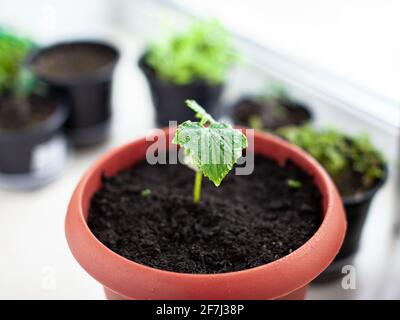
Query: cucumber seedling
pixel 212 147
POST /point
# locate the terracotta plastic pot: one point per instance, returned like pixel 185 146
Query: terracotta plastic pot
pixel 285 278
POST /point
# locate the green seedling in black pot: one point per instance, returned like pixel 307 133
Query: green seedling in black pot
pixel 344 157
pixel 193 63
pixel 357 168
pixel 16 83
pixel 272 109
pixel 32 147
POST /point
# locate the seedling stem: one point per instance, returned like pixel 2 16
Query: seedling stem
pixel 197 187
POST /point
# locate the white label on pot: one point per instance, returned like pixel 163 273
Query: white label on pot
pixel 49 156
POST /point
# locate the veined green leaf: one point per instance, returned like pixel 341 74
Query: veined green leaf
pixel 200 112
pixel 213 149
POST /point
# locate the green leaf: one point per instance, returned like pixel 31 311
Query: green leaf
pixel 214 149
pixel 339 153
pixel 202 52
pixel 200 112
pixel 145 193
pixel 295 184
pixel 13 50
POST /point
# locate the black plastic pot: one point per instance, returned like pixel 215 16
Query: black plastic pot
pixel 4 94
pixel 169 99
pixel 356 208
pixel 294 107
pixel 88 97
pixel 33 157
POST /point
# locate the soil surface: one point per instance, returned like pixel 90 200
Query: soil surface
pixel 24 113
pixel 270 114
pixel 350 184
pixel 72 60
pixel 146 214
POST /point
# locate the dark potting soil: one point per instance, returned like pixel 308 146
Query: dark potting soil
pixel 350 184
pixel 246 222
pixel 24 113
pixel 272 114
pixel 72 60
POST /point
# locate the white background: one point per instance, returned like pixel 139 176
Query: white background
pixel 355 39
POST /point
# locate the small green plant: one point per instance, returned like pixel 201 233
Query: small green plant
pixel 255 122
pixel 339 153
pixel 276 91
pixel 275 96
pixel 212 147
pixel 13 78
pixel 203 52
pixel 294 184
pixel 145 193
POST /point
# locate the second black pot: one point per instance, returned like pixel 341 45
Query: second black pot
pixel 356 208
pixel 169 99
pixel 87 96
pixel 298 114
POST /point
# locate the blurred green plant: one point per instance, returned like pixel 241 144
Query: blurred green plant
pixel 145 193
pixel 339 153
pixel 275 90
pixel 255 122
pixel 276 96
pixel 203 52
pixel 13 77
pixel 294 184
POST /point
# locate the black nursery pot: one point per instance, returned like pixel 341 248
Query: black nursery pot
pixel 169 99
pixel 80 75
pixel 297 114
pixel 30 158
pixel 356 208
